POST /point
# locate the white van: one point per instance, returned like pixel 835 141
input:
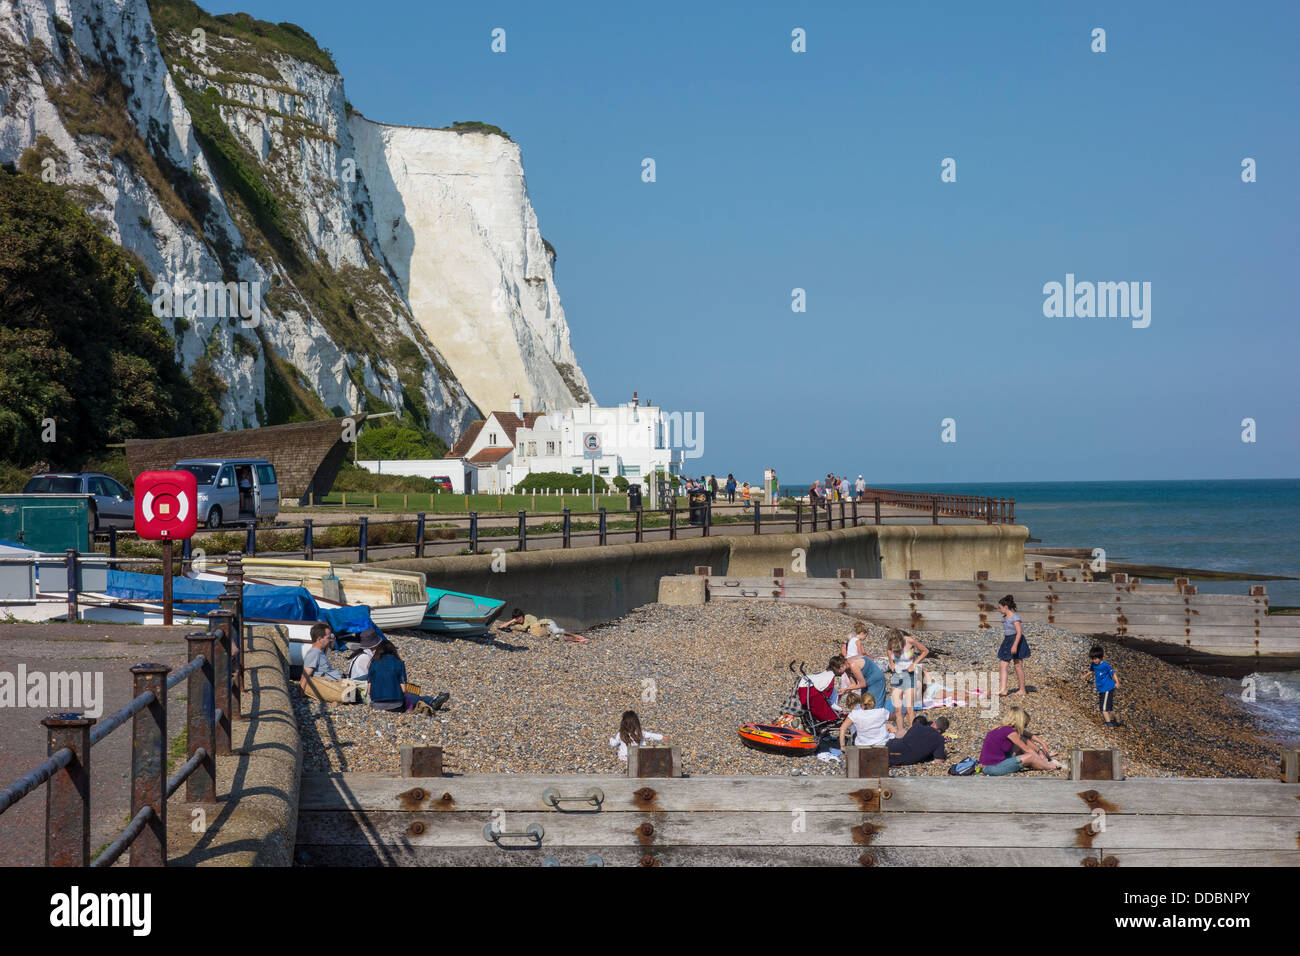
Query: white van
pixel 234 490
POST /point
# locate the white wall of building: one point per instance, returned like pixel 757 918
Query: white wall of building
pixel 453 468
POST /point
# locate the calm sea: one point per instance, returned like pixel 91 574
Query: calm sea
pixel 1239 526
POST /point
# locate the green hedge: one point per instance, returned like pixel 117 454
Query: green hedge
pixel 561 481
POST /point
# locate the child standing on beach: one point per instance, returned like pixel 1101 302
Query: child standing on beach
pixel 630 732
pixel 1014 646
pixel 1106 681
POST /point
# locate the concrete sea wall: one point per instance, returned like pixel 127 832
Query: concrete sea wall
pixel 586 586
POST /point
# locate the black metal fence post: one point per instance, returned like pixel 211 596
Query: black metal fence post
pixel 67 799
pixel 363 539
pixel 934 509
pixel 877 509
pixel 201 785
pixel 841 513
pixel 798 517
pixel 604 535
pixel 672 522
pixel 149 765
pixel 523 531
pixel 419 535
pixel 568 529
pixel 758 520
pixel 250 546
pixel 855 512
pixel 220 621
pixel 640 526
pixel 708 515
pixel 473 532
pixel 70 560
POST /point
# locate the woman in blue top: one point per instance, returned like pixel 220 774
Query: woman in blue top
pixel 387 674
pixel 1014 646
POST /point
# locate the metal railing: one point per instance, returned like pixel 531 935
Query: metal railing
pixel 214 688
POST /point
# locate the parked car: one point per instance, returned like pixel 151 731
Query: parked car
pixel 234 489
pixel 111 503
pixel 442 481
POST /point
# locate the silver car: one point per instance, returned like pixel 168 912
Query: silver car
pixel 111 503
pixel 234 490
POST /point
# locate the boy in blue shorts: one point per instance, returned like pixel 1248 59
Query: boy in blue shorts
pixel 1106 681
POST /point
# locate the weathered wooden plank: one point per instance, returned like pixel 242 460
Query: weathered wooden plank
pixel 800 827
pixel 523 792
pixel 748 856
pixel 1188 856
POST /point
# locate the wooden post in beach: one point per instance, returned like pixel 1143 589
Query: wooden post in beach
pixel 1291 766
pixel 421 761
pixel 866 762
pixel 1096 765
pixel 654 761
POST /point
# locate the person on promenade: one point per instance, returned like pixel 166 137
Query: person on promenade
pixel 1015 648
pixel 921 744
pixel 864 676
pixel 903 657
pixel 1008 749
pixel 870 723
pixel 859 489
pixel 387 679
pixel 817 693
pixel 731 489
pixel 744 495
pixel 631 734
pixel 1106 681
pixel 713 487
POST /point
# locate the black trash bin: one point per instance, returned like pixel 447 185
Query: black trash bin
pixel 699 502
pixel 633 497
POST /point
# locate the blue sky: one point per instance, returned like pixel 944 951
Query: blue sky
pixel 821 171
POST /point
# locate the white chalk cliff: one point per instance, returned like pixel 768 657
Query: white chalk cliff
pixel 220 157
pixel 456 224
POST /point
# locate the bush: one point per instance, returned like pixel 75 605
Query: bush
pixel 620 483
pixel 351 478
pixel 561 481
pixel 394 442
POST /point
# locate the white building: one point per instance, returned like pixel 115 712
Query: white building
pixel 496 453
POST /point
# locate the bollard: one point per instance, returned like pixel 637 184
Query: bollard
pixel 308 545
pixel 473 530
pixel 201 785
pixel 419 535
pixel 568 530
pixel 220 621
pixel 149 765
pixel 523 531
pixel 67 797
pixel 421 761
pixel 1096 765
pixel 363 539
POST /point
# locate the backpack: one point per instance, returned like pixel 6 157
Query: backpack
pixel 964 768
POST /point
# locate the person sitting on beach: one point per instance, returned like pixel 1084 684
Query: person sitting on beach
pixel 1014 646
pixel 921 744
pixel 520 623
pixel 320 679
pixel 387 679
pixel 870 723
pixel 1008 749
pixel 359 660
pixel 863 674
pixel 903 658
pixel 631 734
pixel 817 691
pixel 1106 680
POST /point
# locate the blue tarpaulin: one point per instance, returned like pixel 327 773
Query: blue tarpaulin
pixel 262 601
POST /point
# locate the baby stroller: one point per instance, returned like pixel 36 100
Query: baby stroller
pixel 797 732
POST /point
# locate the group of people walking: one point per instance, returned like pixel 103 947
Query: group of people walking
pixel 837 488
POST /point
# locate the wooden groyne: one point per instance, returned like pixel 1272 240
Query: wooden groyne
pixel 537 819
pixel 1227 625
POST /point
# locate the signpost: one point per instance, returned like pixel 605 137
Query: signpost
pixel 591 450
pixel 166 508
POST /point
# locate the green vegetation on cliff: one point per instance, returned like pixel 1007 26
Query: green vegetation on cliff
pixel 83 360
pixel 183 16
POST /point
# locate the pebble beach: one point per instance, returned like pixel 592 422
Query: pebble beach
pixel 521 704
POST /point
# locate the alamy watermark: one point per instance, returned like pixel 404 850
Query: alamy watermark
pixel 209 300
pixel 1102 300
pixel 63 691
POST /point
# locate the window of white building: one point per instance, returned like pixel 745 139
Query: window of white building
pixel 550 448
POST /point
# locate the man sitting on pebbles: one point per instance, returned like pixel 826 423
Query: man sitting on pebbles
pixel 544 627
